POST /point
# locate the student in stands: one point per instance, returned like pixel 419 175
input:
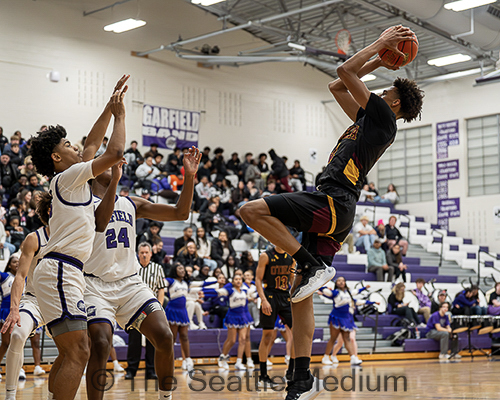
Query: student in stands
pixel 395 260
pixel 364 233
pixel 399 308
pixel 377 262
pixel 423 299
pixel 466 302
pixel 494 303
pixel 441 299
pixel 394 235
pixel 440 330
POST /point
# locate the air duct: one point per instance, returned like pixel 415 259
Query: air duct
pixel 486 28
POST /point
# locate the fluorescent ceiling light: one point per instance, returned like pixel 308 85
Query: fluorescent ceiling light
pixel 447 60
pixel 369 77
pixel 206 2
pixel 462 5
pixel 125 25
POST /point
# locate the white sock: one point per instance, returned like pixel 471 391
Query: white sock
pixel 238 360
pixel 15 352
pixel 115 363
pixel 164 394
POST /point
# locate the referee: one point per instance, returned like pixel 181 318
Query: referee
pixel 274 271
pixel 152 275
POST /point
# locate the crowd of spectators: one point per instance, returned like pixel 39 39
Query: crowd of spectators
pixel 20 187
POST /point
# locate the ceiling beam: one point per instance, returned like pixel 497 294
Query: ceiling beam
pixel 239 27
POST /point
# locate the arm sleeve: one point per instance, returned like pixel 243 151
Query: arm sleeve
pixel 327 292
pixel 75 176
pixel 168 281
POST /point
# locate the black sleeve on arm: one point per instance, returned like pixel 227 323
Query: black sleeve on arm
pixel 380 122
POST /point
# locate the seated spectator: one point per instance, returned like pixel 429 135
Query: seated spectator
pixel 494 303
pixel 253 190
pixel 183 240
pixel 247 262
pixel 203 273
pixel 132 153
pixel 3 140
pixel 187 256
pixel 377 262
pixel 158 161
pixel 398 307
pixel 203 248
pixel 394 235
pixel 218 305
pixel 349 243
pixel 270 188
pixel 252 173
pixel 16 157
pixel 216 272
pixel 173 164
pixel 152 231
pixel 205 155
pixel 158 253
pixel 395 260
pixel 222 190
pixel 372 188
pixel 467 303
pixel 442 294
pixel 364 234
pixel 15 232
pixel 205 170
pixel 221 248
pixel 22 183
pixel 391 196
pixel 8 173
pixel 146 195
pixel 424 302
pixel 240 194
pixel 440 330
pixel 153 151
pixel 231 265
pixel 34 184
pixel 244 165
pixel 297 177
pixel 146 173
pixel 28 169
pixel 366 194
pixel 262 164
pixel 102 149
pixel 213 220
pixel 380 230
pixel 233 165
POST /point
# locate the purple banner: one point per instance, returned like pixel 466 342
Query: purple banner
pixel 446 135
pixel 449 208
pixel 447 170
pixel 169 128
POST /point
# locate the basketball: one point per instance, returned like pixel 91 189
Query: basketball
pixel 408 47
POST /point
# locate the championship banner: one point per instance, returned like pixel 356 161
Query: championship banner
pixel 169 128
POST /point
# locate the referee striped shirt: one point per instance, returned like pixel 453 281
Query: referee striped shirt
pixel 153 276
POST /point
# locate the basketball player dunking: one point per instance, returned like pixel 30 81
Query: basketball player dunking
pixel 326 216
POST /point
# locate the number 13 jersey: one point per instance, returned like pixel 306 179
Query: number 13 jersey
pixel 113 256
pixel 278 270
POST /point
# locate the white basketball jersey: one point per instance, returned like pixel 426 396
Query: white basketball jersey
pixel 72 222
pixel 113 257
pixel 43 238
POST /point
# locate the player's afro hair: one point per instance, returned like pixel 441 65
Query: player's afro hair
pixel 42 147
pixel 411 97
pixel 43 207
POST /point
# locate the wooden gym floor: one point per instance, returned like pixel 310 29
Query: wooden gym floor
pixel 425 379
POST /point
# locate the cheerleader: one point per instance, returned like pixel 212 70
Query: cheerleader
pixel 237 318
pixel 249 284
pixel 341 320
pixel 6 281
pixel 177 315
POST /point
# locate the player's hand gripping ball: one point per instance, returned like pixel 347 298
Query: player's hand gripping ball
pixel 409 47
